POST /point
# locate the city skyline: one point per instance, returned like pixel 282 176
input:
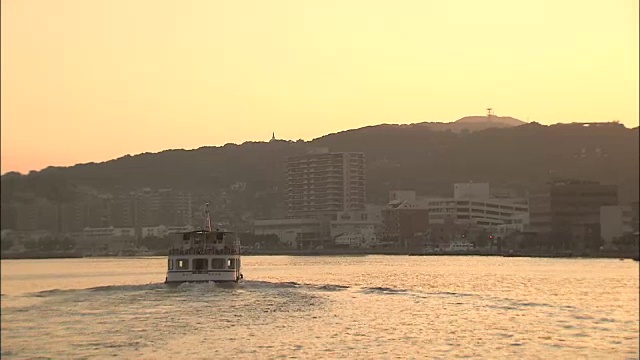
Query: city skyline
pixel 88 81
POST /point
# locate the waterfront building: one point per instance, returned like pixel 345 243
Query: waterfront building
pixel 569 212
pixel 472 206
pixel 325 183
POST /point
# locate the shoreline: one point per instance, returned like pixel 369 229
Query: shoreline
pixel 348 252
pixel 39 256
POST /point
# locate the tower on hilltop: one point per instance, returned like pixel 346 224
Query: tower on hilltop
pixel 490 113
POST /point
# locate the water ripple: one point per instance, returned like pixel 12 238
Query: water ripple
pixel 305 307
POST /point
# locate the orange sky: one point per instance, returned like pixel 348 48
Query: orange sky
pixel 92 80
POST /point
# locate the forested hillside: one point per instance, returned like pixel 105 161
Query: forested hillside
pixel 417 157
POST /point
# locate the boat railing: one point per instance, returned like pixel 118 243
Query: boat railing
pixel 204 251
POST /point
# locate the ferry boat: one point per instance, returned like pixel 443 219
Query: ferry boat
pixel 205 256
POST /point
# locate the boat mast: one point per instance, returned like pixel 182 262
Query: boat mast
pixel 207 225
pixel 207 219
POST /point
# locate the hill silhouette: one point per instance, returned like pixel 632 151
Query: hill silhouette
pixel 506 120
pixel 520 158
pixel 474 123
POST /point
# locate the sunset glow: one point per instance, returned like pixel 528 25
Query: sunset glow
pixel 93 80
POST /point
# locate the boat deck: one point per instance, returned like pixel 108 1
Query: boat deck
pixel 204 251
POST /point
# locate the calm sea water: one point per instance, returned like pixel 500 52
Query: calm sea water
pixel 324 307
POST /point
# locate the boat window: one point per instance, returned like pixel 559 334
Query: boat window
pixel 217 264
pixel 231 264
pixel 200 264
pixel 182 264
pixel 199 239
pixel 170 264
pixel 220 236
pixel 186 237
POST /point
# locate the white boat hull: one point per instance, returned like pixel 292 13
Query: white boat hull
pixel 205 256
pixel 217 276
pixel 183 268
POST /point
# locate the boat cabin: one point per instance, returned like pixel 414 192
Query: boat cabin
pixel 205 256
pixel 206 242
pixel 203 265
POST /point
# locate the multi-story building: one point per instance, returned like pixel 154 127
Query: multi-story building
pixel 471 190
pixel 105 240
pixel 162 231
pixel 172 230
pixel 296 233
pixel 471 206
pixel 73 217
pixel 569 211
pixel 123 211
pixel 174 207
pixel 309 233
pixel 442 234
pixel 325 194
pixel 615 221
pixel 403 219
pixel 357 227
pixel 99 211
pixel 27 217
pixel 146 208
pixel 39 214
pixel 8 216
pixel 321 184
pixel 162 207
pixel 153 231
pixel 488 212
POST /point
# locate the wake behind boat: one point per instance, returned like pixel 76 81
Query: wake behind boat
pixel 205 256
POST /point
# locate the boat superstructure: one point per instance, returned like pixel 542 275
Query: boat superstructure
pixel 205 256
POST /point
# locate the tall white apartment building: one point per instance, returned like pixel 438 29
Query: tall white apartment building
pixel 325 183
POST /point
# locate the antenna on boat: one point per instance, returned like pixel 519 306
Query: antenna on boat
pixel 207 219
